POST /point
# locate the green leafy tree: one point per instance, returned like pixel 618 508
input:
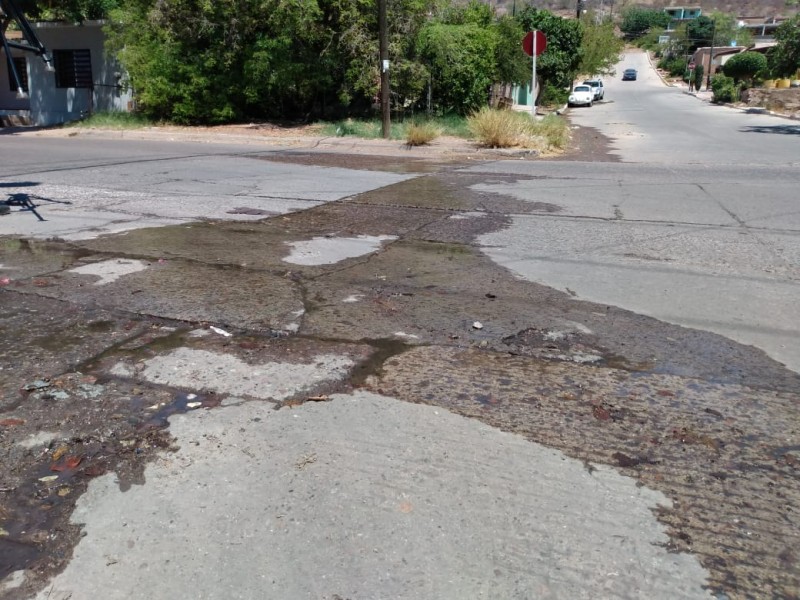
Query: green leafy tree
pixel 745 66
pixel 700 33
pixel 784 58
pixel 73 11
pixel 195 61
pixel 561 61
pixel 512 65
pixel 461 59
pixel 600 48
pixel 638 21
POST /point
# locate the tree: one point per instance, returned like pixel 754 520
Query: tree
pixel 461 59
pixel 784 58
pixel 700 32
pixel 745 66
pixel 638 21
pixel 512 65
pixel 600 48
pixel 727 30
pixel 196 61
pixel 559 64
pixel 73 11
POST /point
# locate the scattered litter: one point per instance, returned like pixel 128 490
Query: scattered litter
pixel 406 335
pixel 477 325
pixel 191 396
pixel 3 532
pixel 59 452
pixel 600 413
pixel 193 405
pixel 321 398
pixel 220 331
pixel 306 460
pixel 5 280
pixel 71 462
pixel 353 298
pixel 39 384
pixel 64 491
pixel 48 478
pixel 11 422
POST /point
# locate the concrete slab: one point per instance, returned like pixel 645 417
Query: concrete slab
pixel 88 202
pixel 367 497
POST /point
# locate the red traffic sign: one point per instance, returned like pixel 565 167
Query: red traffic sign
pixel 527 42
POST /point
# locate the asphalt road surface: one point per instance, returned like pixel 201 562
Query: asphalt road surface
pixel 299 369
pixel 699 225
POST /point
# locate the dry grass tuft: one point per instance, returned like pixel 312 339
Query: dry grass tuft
pixel 508 129
pixel 420 134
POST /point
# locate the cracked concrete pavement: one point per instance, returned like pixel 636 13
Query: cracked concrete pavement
pixel 189 411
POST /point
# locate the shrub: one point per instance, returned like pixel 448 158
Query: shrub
pixel 724 88
pixel 496 128
pixel 553 95
pixel 554 130
pixel 419 134
pixel 745 66
pixel 506 129
pixel 698 76
pixel 673 65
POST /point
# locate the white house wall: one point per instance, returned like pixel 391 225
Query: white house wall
pixel 9 103
pixel 50 105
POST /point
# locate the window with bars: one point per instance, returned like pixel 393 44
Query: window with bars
pixel 73 68
pixel 21 65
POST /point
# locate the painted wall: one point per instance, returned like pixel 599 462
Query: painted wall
pixel 50 105
pixel 8 99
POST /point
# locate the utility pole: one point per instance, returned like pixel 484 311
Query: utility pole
pixel 384 52
pixel 711 54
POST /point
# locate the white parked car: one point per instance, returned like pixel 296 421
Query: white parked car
pixel 597 86
pixel 582 95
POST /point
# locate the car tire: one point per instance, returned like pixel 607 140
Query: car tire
pixel 590 104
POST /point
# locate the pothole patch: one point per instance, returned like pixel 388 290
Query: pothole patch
pixel 330 250
pixel 109 271
pixel 225 374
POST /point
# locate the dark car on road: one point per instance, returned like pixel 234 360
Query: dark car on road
pixel 629 75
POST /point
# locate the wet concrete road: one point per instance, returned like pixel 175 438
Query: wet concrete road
pixel 280 372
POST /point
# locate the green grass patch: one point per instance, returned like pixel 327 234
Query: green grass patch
pixel 113 120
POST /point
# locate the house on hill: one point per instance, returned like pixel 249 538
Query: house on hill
pixel 85 79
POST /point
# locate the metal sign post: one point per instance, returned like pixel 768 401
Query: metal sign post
pixel 533 77
pixel 533 44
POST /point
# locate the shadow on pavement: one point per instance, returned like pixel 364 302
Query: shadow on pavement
pixel 784 129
